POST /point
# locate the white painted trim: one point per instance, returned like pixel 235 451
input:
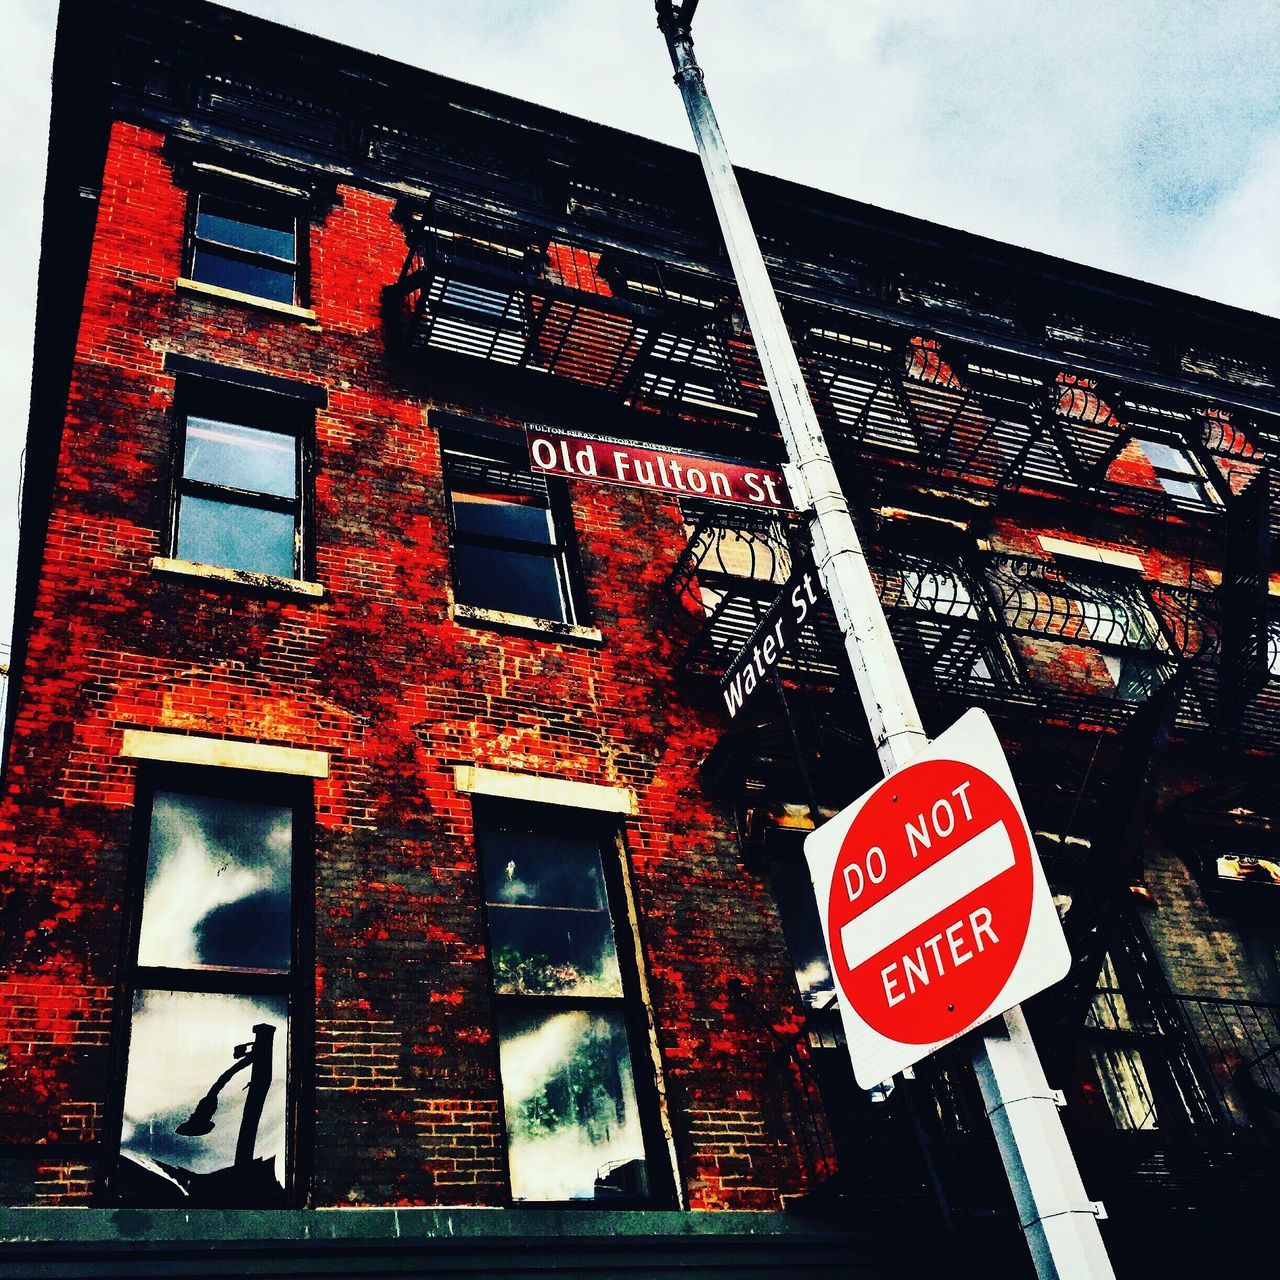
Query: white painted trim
pixel 1087 551
pixel 296 193
pixel 536 789
pixel 223 753
pixel 243 577
pixel 185 285
pixel 472 615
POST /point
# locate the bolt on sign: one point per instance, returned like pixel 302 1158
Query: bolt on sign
pixel 936 912
pixel 766 646
pixel 661 470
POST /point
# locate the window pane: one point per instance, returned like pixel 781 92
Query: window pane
pixel 509 581
pixel 243 227
pixel 1192 490
pixel 573 1127
pixel 1169 457
pixel 236 537
pixel 524 521
pixel 212 267
pixel 802 929
pixel 553 951
pixel 241 457
pixel 542 870
pixel 218 884
pixel 180 1043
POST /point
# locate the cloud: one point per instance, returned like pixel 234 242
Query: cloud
pixel 1235 253
pixel 1139 137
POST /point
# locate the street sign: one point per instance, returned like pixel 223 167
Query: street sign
pixel 936 912
pixel 766 646
pixel 692 475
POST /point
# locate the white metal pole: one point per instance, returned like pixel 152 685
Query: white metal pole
pixel 1058 1219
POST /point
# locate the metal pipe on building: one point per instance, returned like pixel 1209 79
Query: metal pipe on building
pixel 1059 1221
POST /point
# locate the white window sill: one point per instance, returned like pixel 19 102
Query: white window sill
pixel 184 285
pixel 470 615
pixel 240 577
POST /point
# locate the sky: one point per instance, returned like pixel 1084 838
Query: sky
pixel 1136 136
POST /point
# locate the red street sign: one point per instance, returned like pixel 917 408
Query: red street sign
pixel 936 911
pixel 661 470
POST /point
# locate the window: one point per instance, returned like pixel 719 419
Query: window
pixel 511 550
pixel 942 621
pixel 578 1103
pixel 247 243
pixel 1177 470
pixel 1075 602
pixel 239 492
pixel 211 995
pixel 1117 614
pixel 741 560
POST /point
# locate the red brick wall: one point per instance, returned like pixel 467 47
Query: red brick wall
pixel 377 674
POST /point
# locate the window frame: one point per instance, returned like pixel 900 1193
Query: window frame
pixel 508 455
pixel 1193 475
pixel 518 816
pixel 268 197
pixel 266 411
pixel 295 986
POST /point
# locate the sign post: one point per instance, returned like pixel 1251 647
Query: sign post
pixel 1058 1221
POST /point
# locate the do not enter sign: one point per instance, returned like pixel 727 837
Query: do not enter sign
pixel 936 912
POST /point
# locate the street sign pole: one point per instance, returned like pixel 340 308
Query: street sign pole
pixel 1059 1221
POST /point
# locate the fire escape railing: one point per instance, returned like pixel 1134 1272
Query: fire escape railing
pixel 669 336
pixel 1063 637
pixel 654 335
pixel 1183 1075
pixel 1180 1064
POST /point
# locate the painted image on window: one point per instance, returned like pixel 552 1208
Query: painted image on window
pixel 573 1126
pixel 218 884
pixel 204 1104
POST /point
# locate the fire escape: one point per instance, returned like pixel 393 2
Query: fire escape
pixel 947 410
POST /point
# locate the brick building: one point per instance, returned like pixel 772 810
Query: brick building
pixel 375 834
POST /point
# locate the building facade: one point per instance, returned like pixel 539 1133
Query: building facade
pixel 377 835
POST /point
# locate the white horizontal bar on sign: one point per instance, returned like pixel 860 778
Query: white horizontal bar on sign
pixel 965 869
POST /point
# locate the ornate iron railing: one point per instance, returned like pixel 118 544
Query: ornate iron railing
pixel 1180 1064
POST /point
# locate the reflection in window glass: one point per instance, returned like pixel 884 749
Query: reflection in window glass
pixel 180 1044
pixel 236 537
pixel 226 272
pixel 573 1127
pixel 1177 470
pixel 541 869
pixel 217 890
pixel 549 923
pixel 508 554
pixel 245 248
pixel 553 951
pixel 240 457
pixel 242 226
pixel 239 505
pixel 571 1113
pixel 509 581
pixel 802 929
pixel 523 521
